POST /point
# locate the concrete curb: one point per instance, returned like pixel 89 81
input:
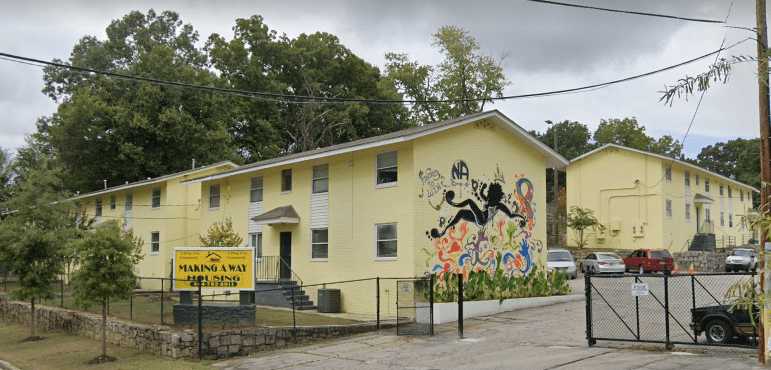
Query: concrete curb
pixel 448 312
pixel 5 365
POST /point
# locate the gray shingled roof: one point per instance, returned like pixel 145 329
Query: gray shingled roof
pixel 393 135
pixel 153 180
pixel 277 213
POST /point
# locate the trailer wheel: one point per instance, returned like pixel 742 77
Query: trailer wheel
pixel 718 331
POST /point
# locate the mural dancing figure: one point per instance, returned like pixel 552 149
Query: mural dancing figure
pixel 474 213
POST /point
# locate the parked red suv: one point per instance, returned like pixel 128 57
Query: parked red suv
pixel 649 260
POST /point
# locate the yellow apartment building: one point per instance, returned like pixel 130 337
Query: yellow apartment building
pixel 447 197
pixel 647 200
pixel 162 211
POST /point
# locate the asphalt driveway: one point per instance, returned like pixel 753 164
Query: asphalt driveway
pixel 540 338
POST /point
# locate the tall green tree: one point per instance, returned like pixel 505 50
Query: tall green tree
pixel 119 130
pixel 464 73
pixel 317 64
pixel 6 175
pixel 106 271
pixel 31 237
pixel 738 159
pixel 628 132
pixel 573 138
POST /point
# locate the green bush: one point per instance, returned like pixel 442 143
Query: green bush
pixel 482 286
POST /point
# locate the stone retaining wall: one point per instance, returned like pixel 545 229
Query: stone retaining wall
pixel 701 261
pixel 165 341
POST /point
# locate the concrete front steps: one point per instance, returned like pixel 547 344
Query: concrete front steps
pixel 279 294
pixel 703 242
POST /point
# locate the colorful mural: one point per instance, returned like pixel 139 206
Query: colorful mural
pixel 483 223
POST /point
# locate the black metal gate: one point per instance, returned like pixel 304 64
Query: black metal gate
pixel 415 306
pixel 661 308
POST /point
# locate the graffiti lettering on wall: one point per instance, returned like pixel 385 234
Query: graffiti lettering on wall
pixel 483 223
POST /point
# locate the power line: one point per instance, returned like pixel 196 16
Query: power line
pixel 701 97
pixel 302 99
pixel 572 5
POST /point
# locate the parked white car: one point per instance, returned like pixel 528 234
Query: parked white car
pixel 561 260
pixel 741 259
pixel 603 262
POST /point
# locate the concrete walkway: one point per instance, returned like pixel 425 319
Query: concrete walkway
pixel 549 337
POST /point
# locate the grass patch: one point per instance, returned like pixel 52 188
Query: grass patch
pixel 64 351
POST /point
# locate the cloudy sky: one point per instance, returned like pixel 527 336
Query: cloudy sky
pixel 545 48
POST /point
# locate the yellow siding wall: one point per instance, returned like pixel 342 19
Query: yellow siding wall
pixel 176 220
pixel 679 230
pixel 627 190
pixel 355 206
pixel 491 155
pixel 622 188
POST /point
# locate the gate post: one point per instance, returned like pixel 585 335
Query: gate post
pixel 693 306
pixel 668 344
pixel 377 302
pixel 200 317
pixel 588 292
pixel 460 305
pixel 637 309
pixel 431 303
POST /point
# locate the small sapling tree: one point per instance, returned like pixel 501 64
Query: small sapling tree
pixel 580 219
pixel 32 235
pixel 221 234
pixel 106 257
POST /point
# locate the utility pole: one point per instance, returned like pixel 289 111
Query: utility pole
pixel 765 155
pixel 555 200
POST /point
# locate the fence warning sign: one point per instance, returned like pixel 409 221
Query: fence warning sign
pixel 639 289
pixel 229 268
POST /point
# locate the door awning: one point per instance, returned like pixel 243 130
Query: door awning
pixel 278 216
pixel 702 199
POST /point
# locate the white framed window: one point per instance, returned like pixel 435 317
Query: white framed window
pixel 255 242
pixel 155 242
pixel 707 215
pixel 722 219
pixel 697 180
pixel 730 192
pixel 112 202
pixel 730 220
pixel 319 243
pixel 687 211
pixel 668 207
pixel 741 195
pixel 387 168
pixel 255 191
pixel 721 190
pixel 385 240
pixel 214 196
pixel 687 178
pixel 156 199
pixel 98 208
pixel 286 180
pixel 706 185
pixel 668 173
pixel 128 203
pixel 320 182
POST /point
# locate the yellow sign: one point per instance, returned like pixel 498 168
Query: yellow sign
pixel 229 268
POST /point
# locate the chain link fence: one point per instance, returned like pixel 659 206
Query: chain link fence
pixel 668 309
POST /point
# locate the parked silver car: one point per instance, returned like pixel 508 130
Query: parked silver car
pixel 561 260
pixel 741 259
pixel 603 262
